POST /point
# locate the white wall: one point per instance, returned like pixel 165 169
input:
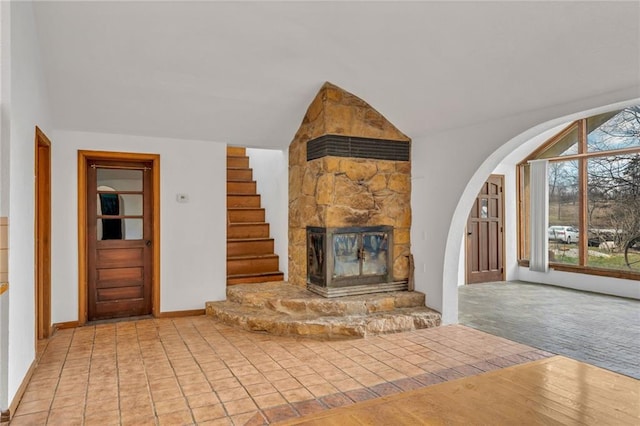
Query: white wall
pixel 26 107
pixel 192 235
pixel 5 96
pixel 442 166
pixel 5 103
pixel 271 172
pixel 593 283
pixel 448 170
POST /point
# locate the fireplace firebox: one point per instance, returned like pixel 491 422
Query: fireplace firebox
pixel 349 261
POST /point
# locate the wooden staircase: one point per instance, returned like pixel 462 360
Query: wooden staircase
pixel 250 251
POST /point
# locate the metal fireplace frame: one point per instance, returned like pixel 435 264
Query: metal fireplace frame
pixel 321 262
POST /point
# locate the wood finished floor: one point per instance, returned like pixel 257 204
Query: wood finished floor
pixel 555 390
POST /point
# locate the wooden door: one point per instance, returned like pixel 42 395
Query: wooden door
pixel 485 234
pixel 119 234
pixel 43 234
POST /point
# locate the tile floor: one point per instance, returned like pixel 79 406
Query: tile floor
pixel 197 371
pixel 594 328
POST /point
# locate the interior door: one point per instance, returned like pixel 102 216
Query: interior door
pixel 485 234
pixel 43 234
pixel 119 231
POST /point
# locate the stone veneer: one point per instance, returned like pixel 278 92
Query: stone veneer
pixel 339 192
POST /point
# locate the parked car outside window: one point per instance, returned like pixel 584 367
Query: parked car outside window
pixel 565 234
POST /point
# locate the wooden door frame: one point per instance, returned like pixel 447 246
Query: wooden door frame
pixel 83 280
pixel 42 218
pixel 466 243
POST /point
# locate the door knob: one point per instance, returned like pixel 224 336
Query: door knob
pixel 148 243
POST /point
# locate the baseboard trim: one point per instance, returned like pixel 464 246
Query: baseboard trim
pixel 65 325
pixel 178 314
pixel 20 392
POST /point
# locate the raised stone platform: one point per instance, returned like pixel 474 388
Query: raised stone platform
pixel 287 310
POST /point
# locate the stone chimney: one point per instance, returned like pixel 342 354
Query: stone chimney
pixel 348 166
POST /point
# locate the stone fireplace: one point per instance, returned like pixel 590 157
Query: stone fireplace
pixel 349 199
pixel 349 232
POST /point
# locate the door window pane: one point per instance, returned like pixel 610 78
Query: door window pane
pixel 119 204
pixel 132 229
pixel 119 179
pixel 484 208
pixel 109 229
pixel 119 229
pixel 131 204
pixel 109 204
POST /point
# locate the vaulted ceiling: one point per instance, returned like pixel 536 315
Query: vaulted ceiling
pixel 245 72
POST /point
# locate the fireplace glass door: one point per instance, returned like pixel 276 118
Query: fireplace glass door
pixel 341 257
pixel 346 255
pixel 375 248
pixel 360 254
pixel 316 253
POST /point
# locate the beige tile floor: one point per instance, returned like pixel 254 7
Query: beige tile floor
pixel 197 371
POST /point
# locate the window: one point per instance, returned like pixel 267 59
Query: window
pixel 593 194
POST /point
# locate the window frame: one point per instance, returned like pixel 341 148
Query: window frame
pixel 582 158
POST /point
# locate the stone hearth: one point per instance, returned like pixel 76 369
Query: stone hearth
pixel 287 310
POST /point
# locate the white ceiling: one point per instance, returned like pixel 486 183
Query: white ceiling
pixel 245 72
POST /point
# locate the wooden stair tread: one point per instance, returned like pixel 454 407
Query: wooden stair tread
pixel 236 150
pixel 250 245
pixel 254 279
pixel 231 281
pixel 256 274
pixel 252 256
pixel 243 200
pixel 245 214
pixel 247 223
pixel 239 174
